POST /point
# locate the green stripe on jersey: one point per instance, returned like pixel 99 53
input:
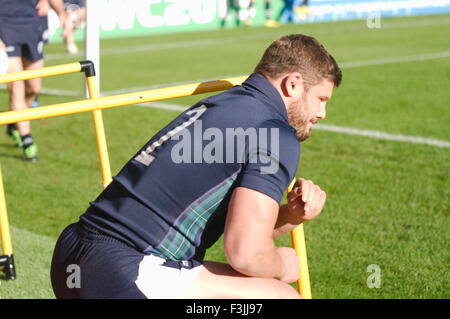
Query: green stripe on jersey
pixel 184 236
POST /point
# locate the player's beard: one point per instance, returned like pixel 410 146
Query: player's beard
pixel 299 119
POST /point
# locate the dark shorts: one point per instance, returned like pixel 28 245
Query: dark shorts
pixel 89 264
pixel 73 4
pixel 22 39
pixel 43 29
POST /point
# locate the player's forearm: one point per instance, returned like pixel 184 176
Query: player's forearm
pixel 286 222
pixel 265 263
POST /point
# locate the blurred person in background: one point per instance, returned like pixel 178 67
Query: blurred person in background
pixel 21 35
pixel 246 11
pixel 43 8
pixel 303 10
pixel 76 15
pixel 241 8
pixel 269 22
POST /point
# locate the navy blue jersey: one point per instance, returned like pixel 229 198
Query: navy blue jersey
pixel 171 198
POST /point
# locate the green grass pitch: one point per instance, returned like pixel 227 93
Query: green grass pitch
pixel 388 201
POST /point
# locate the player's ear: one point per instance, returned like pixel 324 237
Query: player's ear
pixel 293 84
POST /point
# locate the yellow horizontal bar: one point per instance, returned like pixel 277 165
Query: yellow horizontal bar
pixel 117 100
pixel 40 73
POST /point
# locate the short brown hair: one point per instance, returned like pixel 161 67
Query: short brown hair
pixel 299 53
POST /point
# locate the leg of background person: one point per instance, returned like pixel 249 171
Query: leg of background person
pixel 20 100
pixel 251 12
pixel 74 18
pixel 219 280
pixel 286 14
pixel 269 22
pixel 68 37
pixel 268 12
pixel 303 10
pixel 32 86
pixel 224 10
pixel 17 94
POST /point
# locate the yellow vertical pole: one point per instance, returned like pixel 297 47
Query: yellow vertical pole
pixel 299 244
pixel 4 225
pixel 99 133
pixel 6 259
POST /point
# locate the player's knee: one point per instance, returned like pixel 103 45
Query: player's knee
pixel 32 90
pixel 288 292
pixel 281 290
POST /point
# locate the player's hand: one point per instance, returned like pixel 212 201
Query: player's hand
pixel 291 264
pixel 43 8
pixel 306 199
pixel 2 45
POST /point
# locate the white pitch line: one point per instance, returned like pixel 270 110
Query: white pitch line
pixel 50 91
pixel 59 92
pixel 143 48
pixel 326 127
pixel 243 38
pixel 392 60
pixel 164 106
pixel 164 85
pixel 382 135
pixel 336 129
pixel 343 65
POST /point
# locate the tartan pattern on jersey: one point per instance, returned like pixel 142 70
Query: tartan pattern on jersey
pixel 182 239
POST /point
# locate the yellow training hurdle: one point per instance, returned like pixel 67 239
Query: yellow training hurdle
pixel 84 66
pixel 299 244
pixel 95 104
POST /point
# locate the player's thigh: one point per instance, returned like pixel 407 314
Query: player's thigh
pixel 17 88
pixel 219 280
pixel 15 64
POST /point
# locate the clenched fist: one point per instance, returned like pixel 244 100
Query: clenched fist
pixel 306 199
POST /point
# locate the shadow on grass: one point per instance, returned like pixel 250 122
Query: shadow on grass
pixel 4 146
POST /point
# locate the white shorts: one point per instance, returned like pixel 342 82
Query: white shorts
pixel 163 279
